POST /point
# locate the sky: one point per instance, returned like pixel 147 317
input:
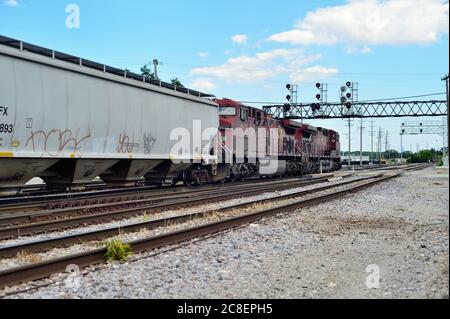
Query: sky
pixel 249 50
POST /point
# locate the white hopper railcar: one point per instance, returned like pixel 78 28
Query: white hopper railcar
pixel 69 120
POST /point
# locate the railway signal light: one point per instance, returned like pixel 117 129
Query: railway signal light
pixel 286 108
pixel 349 94
pixel 321 96
pixel 290 87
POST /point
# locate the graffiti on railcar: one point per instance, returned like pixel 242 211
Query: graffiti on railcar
pixel 126 144
pixel 56 141
pixel 149 142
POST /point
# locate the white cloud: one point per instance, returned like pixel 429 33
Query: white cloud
pixel 203 85
pixel 203 54
pixel 311 74
pixel 11 3
pixel 261 66
pixel 239 38
pixel 364 50
pixel 371 22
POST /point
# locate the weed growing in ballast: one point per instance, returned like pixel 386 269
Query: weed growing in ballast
pixel 117 250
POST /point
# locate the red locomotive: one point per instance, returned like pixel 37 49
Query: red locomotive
pixel 252 143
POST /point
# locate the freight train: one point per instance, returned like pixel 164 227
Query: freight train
pixel 69 120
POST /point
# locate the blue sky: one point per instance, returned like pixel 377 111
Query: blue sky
pixel 248 50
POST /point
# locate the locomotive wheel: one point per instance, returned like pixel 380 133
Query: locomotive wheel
pixel 188 183
pixel 187 179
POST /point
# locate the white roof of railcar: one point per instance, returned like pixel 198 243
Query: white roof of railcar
pixel 107 70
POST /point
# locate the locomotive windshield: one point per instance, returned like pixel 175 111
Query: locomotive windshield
pixel 227 110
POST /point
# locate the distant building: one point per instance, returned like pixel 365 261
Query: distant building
pixel 355 160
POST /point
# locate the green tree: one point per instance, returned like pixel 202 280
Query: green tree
pixel 407 154
pixel 177 82
pixel 423 156
pixel 145 70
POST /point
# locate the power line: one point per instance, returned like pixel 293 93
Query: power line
pixel 405 97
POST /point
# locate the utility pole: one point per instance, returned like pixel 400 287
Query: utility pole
pixel 155 68
pixel 349 143
pixel 401 146
pixel 443 135
pixel 445 78
pixel 371 140
pixel 360 142
pixel 386 145
pixel 379 145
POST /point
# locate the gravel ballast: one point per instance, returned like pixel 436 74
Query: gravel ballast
pixel 398 227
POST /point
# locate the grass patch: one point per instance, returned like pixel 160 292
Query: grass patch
pixel 117 250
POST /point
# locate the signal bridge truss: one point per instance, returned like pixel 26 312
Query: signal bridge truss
pixel 358 110
pixel 418 128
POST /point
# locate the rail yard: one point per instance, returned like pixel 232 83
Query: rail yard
pixel 110 206
pixel 148 153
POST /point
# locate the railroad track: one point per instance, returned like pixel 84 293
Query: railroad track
pixel 381 167
pixel 112 231
pixel 49 201
pixel 43 269
pixel 46 196
pixel 64 219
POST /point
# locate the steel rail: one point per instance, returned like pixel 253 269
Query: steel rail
pixel 152 197
pixel 6 201
pixel 63 223
pixel 63 241
pixel 127 193
pixel 46 268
